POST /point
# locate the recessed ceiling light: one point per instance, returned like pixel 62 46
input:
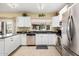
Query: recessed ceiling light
pixel 13 5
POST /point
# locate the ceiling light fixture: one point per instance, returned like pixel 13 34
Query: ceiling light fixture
pixel 12 5
pixel 41 6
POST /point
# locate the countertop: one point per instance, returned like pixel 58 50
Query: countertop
pixel 38 32
pixel 3 37
pixel 29 33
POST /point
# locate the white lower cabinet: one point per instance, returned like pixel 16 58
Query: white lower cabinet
pixel 17 40
pixel 23 39
pixel 41 39
pixel 2 47
pixel 11 44
pixel 38 39
pixel 46 39
pixel 52 39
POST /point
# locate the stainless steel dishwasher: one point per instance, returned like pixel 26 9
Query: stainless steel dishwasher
pixel 31 41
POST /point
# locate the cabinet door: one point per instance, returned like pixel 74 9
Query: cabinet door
pixel 41 39
pixel 52 39
pixel 23 39
pixel 56 21
pixel 23 22
pixel 9 26
pixel 2 47
pixel 44 39
pixel 18 40
pixel 9 45
pixel 20 22
pixel 27 21
pixel 38 39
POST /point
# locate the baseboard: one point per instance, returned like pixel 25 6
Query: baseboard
pixel 59 51
pixel 14 50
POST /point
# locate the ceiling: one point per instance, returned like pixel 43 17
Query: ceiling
pixel 33 7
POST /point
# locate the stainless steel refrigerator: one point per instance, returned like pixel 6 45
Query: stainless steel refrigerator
pixel 70 31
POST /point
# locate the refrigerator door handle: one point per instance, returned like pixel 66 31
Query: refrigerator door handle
pixel 70 29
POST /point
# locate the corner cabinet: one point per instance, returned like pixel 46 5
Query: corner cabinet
pixel 23 21
pixel 11 44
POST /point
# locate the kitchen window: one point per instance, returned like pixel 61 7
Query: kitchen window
pixel 40 27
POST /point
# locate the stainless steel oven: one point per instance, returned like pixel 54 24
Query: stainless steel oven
pixel 31 41
pixel 70 32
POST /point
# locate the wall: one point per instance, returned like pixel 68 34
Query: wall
pixel 33 15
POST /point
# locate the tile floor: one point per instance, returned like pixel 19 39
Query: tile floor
pixel 32 51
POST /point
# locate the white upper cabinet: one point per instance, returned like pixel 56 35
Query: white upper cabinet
pixel 19 22
pixel 9 26
pixel 55 21
pixel 23 21
pixel 27 22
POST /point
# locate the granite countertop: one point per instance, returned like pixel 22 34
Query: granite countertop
pixel 30 33
pixel 38 32
pixel 2 36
